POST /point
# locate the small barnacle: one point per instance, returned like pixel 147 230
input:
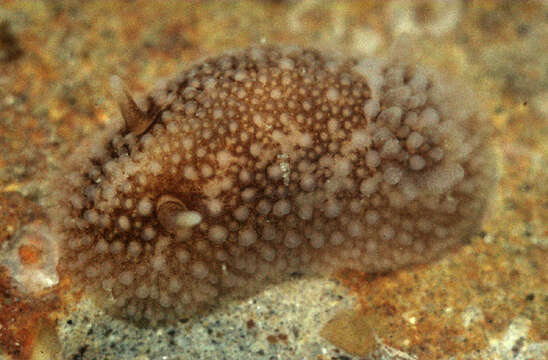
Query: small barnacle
pixel 255 164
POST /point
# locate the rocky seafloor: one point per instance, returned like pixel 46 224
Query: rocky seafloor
pixel 486 300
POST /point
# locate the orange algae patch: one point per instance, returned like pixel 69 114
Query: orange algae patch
pixel 30 254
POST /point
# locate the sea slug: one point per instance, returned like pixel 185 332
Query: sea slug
pixel 258 163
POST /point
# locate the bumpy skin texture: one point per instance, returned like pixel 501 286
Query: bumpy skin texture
pixel 258 163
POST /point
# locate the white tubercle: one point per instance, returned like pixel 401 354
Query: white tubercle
pixel 189 218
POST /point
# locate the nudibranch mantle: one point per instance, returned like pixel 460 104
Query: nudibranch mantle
pixel 258 163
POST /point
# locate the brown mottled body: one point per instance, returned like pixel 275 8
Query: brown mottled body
pixel 254 164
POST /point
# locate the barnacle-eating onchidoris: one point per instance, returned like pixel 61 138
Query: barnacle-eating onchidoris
pixel 258 163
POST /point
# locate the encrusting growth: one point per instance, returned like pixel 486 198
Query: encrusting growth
pixel 259 163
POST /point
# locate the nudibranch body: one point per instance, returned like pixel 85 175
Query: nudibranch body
pixel 262 162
